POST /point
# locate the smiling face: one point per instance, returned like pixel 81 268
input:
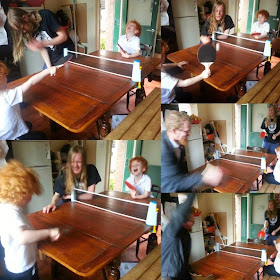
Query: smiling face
pixel 131 29
pixel 219 13
pixel 137 168
pixel 261 19
pixel 270 205
pixel 77 163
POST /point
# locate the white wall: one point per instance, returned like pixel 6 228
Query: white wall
pixel 151 151
pixel 259 112
pixel 208 112
pixel 216 202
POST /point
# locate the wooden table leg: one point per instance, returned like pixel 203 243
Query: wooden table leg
pixel 53 125
pixel 54 269
pixel 103 125
pixel 152 242
pixel 114 272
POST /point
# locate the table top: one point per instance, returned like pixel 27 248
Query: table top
pixel 240 172
pixel 93 237
pixel 142 123
pixel 77 96
pixel 232 63
pixel 228 266
pixel 266 90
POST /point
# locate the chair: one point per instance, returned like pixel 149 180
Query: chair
pixel 146 50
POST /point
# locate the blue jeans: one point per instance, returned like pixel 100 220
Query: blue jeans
pixel 270 147
pixel 270 238
pixel 269 178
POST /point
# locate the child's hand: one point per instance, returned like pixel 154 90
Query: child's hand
pixel 274 233
pixel 133 194
pixel 257 37
pixel 206 74
pixel 54 234
pixel 53 70
pixel 125 55
pixel 49 208
pixel 181 64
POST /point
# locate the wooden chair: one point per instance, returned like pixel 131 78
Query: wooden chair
pixel 146 50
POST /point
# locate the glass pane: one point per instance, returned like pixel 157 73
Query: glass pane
pixel 140 10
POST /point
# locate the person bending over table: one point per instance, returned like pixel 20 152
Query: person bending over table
pixel 77 174
pixel 273 263
pixel 170 83
pixel 261 25
pixel 272 222
pixel 176 244
pixel 218 21
pixel 129 44
pixel 174 170
pixel 274 177
pixel 42 32
pixel 138 167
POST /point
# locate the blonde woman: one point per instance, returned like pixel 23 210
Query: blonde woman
pixel 271 127
pixel 218 21
pixel 42 32
pixel 76 174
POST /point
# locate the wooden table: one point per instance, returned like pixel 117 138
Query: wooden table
pixel 228 266
pixel 267 90
pixel 147 268
pixel 92 238
pixel 142 123
pixel 240 172
pixel 232 64
pixel 77 96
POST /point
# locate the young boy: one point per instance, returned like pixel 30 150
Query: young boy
pixel 17 185
pixel 261 26
pixel 129 44
pixel 138 167
pixel 12 126
pixel 168 83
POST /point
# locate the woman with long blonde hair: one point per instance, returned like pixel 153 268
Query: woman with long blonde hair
pixel 76 174
pixel 218 21
pixel 271 128
pixel 39 31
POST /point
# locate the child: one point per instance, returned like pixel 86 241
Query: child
pixel 168 83
pixel 261 26
pixel 129 44
pixel 138 167
pixel 274 177
pixel 12 126
pixel 273 267
pixel 17 185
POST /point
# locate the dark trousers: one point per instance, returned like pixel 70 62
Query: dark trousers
pixel 27 275
pixel 270 239
pixel 269 178
pixel 32 135
pixel 270 270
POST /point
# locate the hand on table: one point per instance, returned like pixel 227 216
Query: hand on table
pixel 181 64
pixel 212 175
pixel 206 74
pixel 125 55
pixel 49 208
pixel 133 194
pixel 53 70
pixel 54 234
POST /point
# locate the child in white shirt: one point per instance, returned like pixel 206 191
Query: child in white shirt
pixel 12 126
pixel 273 263
pixel 261 26
pixel 129 44
pixel 138 167
pixel 17 185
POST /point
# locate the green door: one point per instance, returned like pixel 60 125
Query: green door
pixel 243 134
pixel 145 12
pixel 244 219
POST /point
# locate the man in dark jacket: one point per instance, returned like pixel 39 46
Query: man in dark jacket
pixel 174 172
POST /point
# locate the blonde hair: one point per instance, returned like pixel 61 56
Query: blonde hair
pixel 268 117
pixel 15 20
pixel 175 119
pixel 273 213
pixel 71 179
pixel 212 19
pixel 17 181
pixel 140 159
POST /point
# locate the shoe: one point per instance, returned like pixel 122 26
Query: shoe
pixel 200 277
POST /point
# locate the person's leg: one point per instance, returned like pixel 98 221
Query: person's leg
pixel 266 145
pixel 270 270
pixel 270 239
pixel 269 178
pixel 33 135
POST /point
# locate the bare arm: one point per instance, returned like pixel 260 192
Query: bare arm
pixel 26 236
pixel 167 66
pixel 59 39
pixel 35 79
pixel 191 81
pixel 51 207
pixel 87 196
pixel 135 195
pixel 137 53
pixel 223 36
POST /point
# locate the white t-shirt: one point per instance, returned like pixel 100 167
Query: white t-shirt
pixel 277 263
pixel 18 258
pixel 256 28
pixel 11 123
pixel 131 46
pixel 145 184
pixel 276 171
pixel 167 87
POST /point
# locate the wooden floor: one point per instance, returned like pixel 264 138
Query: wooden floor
pixel 269 188
pixel 204 93
pixel 42 123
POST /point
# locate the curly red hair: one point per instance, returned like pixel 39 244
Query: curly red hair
pixel 138 26
pixel 16 182
pixel 264 13
pixel 140 159
pixel 3 69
